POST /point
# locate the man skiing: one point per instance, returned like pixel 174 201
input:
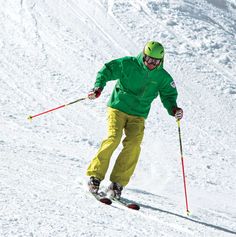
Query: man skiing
pixel 139 81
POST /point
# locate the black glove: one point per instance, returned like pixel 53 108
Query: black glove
pixel 94 93
pixel 178 113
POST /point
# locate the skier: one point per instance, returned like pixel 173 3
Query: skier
pixel 139 81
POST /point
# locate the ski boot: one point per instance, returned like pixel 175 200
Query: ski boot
pixel 94 184
pixel 114 190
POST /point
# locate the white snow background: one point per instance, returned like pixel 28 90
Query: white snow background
pixel 50 52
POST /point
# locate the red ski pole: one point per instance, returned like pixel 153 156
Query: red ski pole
pixel 182 162
pixel 59 107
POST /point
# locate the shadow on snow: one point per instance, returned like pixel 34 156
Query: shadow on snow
pixel 176 214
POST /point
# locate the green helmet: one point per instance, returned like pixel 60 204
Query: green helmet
pixel 154 49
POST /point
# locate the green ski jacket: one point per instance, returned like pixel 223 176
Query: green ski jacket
pixel 137 86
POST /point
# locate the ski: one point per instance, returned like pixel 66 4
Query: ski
pixel 102 198
pixel 124 203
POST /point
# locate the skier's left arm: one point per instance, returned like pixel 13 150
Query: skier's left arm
pixel 168 94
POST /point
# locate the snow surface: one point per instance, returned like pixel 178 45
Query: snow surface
pixel 50 52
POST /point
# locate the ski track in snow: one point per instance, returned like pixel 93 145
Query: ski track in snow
pixel 49 55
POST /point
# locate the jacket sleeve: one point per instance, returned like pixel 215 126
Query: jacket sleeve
pixel 168 94
pixel 110 71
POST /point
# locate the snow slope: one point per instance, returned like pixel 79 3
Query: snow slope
pixel 50 52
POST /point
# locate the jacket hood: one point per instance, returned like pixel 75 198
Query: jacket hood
pixel 141 63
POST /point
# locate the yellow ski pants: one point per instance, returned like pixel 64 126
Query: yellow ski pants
pixel 125 164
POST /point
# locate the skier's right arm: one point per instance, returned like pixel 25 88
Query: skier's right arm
pixel 110 71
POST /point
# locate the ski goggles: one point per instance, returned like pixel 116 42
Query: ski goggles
pixel 153 61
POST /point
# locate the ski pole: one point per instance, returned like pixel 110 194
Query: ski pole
pixel 59 107
pixel 182 162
